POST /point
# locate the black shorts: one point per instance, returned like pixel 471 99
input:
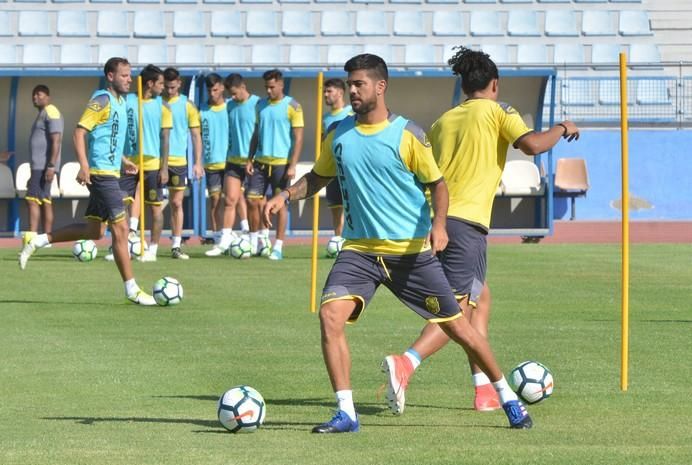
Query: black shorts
pixel 464 260
pixel 38 189
pixel 105 199
pixel 177 178
pixel 214 181
pixel 265 177
pixel 417 280
pixel 334 198
pixel 153 192
pixel 235 171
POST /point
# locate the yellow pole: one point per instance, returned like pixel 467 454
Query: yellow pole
pixel 140 164
pixel 625 223
pixel 316 198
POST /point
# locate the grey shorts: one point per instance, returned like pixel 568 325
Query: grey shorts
pixel 464 260
pixel 214 181
pixel 38 189
pixel 105 199
pixel 334 198
pixel 153 193
pixel 417 280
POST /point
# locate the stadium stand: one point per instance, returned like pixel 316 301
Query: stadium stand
pixel 226 24
pixel 337 23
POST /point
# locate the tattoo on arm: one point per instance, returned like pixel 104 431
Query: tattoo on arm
pixel 307 186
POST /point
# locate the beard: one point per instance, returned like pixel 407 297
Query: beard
pixel 362 107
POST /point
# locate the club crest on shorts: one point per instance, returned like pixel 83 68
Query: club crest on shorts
pixel 175 180
pixel 152 194
pixel 432 304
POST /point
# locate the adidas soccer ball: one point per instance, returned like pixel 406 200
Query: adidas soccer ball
pixel 532 381
pixel 84 250
pixel 168 291
pixel 334 246
pixel 240 248
pixel 241 409
pixel 134 245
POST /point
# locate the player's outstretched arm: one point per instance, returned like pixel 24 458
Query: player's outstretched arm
pixel 304 188
pixel 539 142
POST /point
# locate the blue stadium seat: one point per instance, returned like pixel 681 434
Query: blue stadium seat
pixel 72 23
pixel 448 23
pixel 442 1
pixel 598 23
pixel 69 1
pixel 106 1
pixel 528 54
pixel 36 54
pixel 602 54
pixel 590 1
pixel 560 23
pixel 5 24
pixel 262 23
pixel 644 54
pixel 180 1
pixel 226 23
pixel 34 23
pixel 190 54
pixel 143 1
pixel 340 54
pixel 523 23
pixel 367 1
pixel 635 23
pixel 485 23
pixel 149 24
pixel 256 1
pixel 498 53
pixel 75 54
pixel 405 1
pixel 653 92
pixel 304 55
pixel 331 1
pixel 266 54
pixel 107 51
pixel 578 92
pixel 228 54
pixel 219 1
pixel 112 23
pixel 188 23
pixel 336 23
pixel 371 23
pixel 420 54
pixel 152 54
pixel 298 23
pixel 569 53
pixel 625 1
pixel 516 1
pixel 30 1
pixel 480 1
pixel 409 23
pixel 554 1
pixel 8 54
pixel 294 1
pixel 383 51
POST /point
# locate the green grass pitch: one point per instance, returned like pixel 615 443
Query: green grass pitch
pixel 86 378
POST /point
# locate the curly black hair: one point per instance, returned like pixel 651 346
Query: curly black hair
pixel 475 68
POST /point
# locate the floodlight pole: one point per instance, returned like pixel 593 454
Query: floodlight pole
pixel 625 223
pixel 316 198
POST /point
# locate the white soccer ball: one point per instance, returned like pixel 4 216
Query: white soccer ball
pixel 241 248
pixel 84 250
pixel 241 409
pixel 334 246
pixel 168 291
pixel 134 245
pixel 532 381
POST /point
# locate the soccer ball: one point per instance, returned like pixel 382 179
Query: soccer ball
pixel 241 409
pixel 532 381
pixel 240 248
pixel 334 246
pixel 168 291
pixel 84 250
pixel 134 245
pixel 265 251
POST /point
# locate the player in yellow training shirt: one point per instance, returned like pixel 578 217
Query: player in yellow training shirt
pixel 470 146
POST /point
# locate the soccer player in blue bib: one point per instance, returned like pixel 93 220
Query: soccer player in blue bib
pixel 470 144
pixel 334 90
pixel 185 125
pixel 242 117
pixel 156 125
pixel 103 124
pixel 275 151
pixel 384 165
pixel 214 119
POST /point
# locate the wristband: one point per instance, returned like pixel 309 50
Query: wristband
pixel 50 166
pixel 286 197
pixel 563 127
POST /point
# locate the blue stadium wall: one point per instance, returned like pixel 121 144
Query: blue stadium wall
pixel 659 172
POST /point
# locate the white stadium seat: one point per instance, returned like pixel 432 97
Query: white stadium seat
pixel 297 24
pixel 521 177
pixel 448 23
pixel 75 54
pixel 6 183
pixel 152 54
pixel 266 54
pixel 111 50
pixel 69 187
pixel 262 23
pixel 190 53
pixel 188 23
pixel 36 54
pixel 5 24
pixel 485 23
pixel 228 54
pixel 598 23
pixel 21 179
pixel 110 24
pixel 409 23
pixel 226 24
pixel 371 23
pixel 72 23
pixel 337 23
pixel 304 54
pixel 34 24
pixel 8 54
pixel 149 24
pixel 523 23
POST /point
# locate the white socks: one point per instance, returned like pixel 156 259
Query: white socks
pixel 277 245
pixel 414 357
pixel 345 401
pixel 41 240
pixel 131 287
pixel 244 226
pixel 504 391
pixel 134 223
pixel 175 242
pixel 480 379
pixel 254 236
pixel 153 248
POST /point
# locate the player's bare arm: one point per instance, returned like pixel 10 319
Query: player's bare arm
pixel 249 168
pixel 79 141
pixel 304 188
pixel 295 155
pixel 197 169
pixel 163 169
pixel 440 204
pixel 539 142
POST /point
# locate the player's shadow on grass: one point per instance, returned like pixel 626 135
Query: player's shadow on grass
pixel 175 421
pixel 51 302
